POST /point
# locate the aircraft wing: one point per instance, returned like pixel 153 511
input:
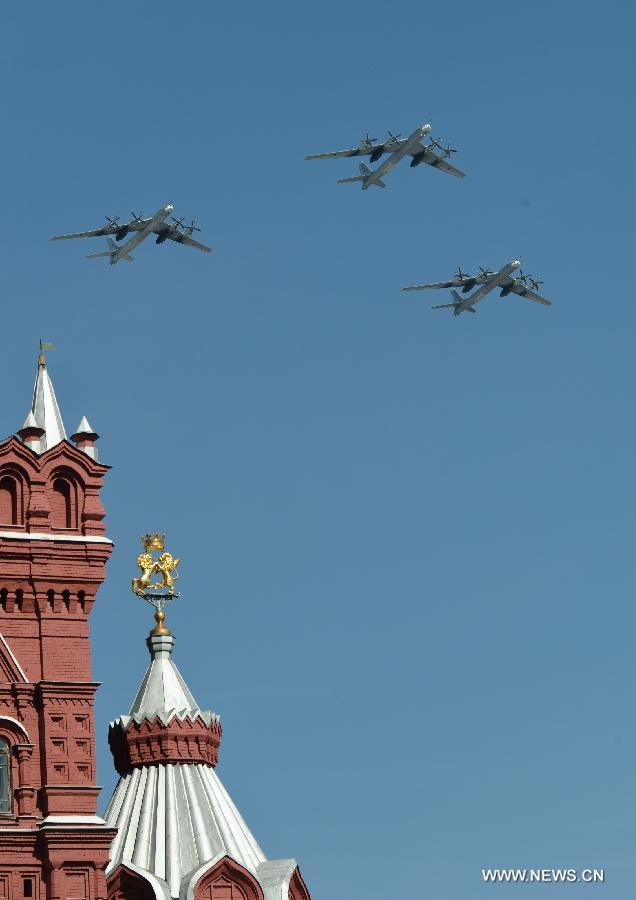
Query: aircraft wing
pixel 362 150
pixel 433 287
pixel 522 291
pixel 472 280
pixel 180 238
pixel 336 154
pixel 438 162
pixel 136 225
pixel 98 232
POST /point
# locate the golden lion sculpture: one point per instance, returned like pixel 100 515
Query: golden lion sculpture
pixel 147 565
pixel 166 566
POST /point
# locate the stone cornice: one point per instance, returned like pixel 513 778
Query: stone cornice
pixel 76 690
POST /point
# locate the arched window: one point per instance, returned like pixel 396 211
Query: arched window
pixel 5 777
pixel 63 504
pixel 8 501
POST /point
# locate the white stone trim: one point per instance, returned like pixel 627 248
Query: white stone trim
pixel 159 886
pixel 189 882
pixel 73 820
pixel 18 724
pixel 12 655
pixel 38 536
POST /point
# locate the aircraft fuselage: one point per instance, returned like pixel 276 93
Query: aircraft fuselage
pixel 499 278
pixel 396 156
pixel 140 236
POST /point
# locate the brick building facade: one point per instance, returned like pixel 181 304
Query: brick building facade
pixel 53 554
pixel 171 830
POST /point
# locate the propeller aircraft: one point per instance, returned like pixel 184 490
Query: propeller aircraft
pixel 174 230
pixel 522 285
pixel 397 148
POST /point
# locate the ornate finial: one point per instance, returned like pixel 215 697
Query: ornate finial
pixel 160 592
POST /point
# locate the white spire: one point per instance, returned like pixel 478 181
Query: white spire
pixel 45 408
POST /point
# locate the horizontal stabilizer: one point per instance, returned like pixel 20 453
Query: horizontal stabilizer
pixel 378 183
pixel 444 306
pixel 348 180
pixel 97 255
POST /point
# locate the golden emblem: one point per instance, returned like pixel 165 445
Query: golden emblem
pixel 156 593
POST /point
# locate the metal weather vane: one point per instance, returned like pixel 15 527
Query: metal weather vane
pixel 160 592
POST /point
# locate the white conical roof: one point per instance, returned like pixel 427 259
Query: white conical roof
pixel 174 817
pixel 30 421
pixel 84 427
pixel 163 692
pixel 45 409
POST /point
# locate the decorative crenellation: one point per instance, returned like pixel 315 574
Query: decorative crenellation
pixel 181 740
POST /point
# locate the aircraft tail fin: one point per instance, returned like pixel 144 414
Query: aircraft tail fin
pixel 365 172
pixel 111 252
pixel 456 297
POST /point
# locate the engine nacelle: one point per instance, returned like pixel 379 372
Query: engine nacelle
pixel 121 234
pixel 162 238
pixel 376 154
pixel 505 291
pixel 468 285
pixel 417 160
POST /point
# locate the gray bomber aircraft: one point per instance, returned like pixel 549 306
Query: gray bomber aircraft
pixel 397 148
pixel 141 228
pixel 523 285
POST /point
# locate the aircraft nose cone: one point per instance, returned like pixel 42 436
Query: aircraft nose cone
pixel 169 207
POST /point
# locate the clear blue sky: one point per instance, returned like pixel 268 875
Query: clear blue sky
pixel 407 539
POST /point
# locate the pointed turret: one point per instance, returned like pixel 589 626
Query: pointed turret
pixel 84 438
pixel 45 409
pixel 31 433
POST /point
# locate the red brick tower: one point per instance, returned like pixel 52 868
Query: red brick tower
pixel 52 561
